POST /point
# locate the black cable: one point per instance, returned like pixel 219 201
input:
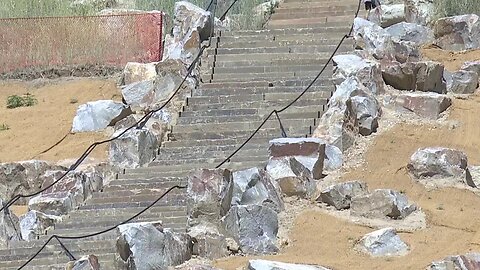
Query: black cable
pixel 53 146
pixel 58 237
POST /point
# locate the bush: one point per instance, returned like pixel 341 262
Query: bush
pixel 4 127
pixel 16 101
pixel 447 8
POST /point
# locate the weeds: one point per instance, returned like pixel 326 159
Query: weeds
pixel 446 8
pixel 16 101
pixel 4 127
pixel 73 101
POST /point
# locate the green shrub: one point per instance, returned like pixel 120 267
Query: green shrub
pixel 4 127
pixel 446 8
pixel 16 101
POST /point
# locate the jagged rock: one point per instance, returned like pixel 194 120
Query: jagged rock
pixel 333 158
pixel 470 261
pixel 97 115
pixel 135 148
pixel 273 265
pixel 437 161
pixel 150 94
pixel 9 227
pixel 429 105
pixel 88 262
pixel 412 32
pixel 464 82
pixel 340 195
pixel 255 186
pixel 192 25
pixel 419 11
pixel 292 176
pixel 137 72
pixel 58 203
pixel 472 66
pixel 210 194
pixel 310 152
pixel 458 32
pixel 473 176
pixel 384 242
pixel 351 110
pixel 208 242
pixel 35 223
pixel 382 203
pixel 254 227
pixel 388 15
pixel 405 51
pixel 147 245
pixel 368 72
pixel 425 76
pixel 373 39
pixel 23 177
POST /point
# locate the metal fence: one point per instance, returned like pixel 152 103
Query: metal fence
pixel 58 41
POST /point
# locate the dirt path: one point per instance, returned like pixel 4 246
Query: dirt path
pixel 453 216
pixel 34 129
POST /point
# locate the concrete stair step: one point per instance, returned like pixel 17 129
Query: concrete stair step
pixel 291 82
pixel 174 195
pixel 47 261
pixel 289 31
pixel 268 76
pixel 273 62
pixel 216 159
pixel 159 210
pixel 188 168
pixel 98 206
pixel 241 43
pixel 286 14
pixel 240 136
pixel 257 139
pixel 266 70
pixel 189 156
pixel 266 105
pixel 227 119
pixel 316 9
pixel 309 22
pixel 257 91
pixel 259 57
pixel 286 49
pixel 267 97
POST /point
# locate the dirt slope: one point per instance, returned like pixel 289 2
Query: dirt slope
pixel 452 60
pixel 34 129
pixel 453 216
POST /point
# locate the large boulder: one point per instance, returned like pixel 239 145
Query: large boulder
pixel 368 72
pixel 464 82
pixel 424 76
pixel 384 242
pixel 192 25
pixel 23 177
pixel 429 105
pixel 35 223
pixel 137 72
pixel 473 176
pixel 88 262
pixel 382 203
pixel 373 39
pixel 472 66
pixel 333 158
pixel 458 32
pixel 292 176
pixel 208 241
pixel 254 227
pixel 150 94
pixel 340 195
pixel 412 32
pixel 9 227
pixel 470 261
pixel 57 203
pixel 273 265
pixel 437 161
pixel 136 148
pixel 388 15
pixel 97 115
pixel 210 195
pixel 352 110
pixel 147 245
pixel 420 11
pixel 255 186
pixel 310 152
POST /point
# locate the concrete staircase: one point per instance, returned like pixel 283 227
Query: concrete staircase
pixel 247 74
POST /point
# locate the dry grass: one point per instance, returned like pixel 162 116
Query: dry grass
pixel 446 8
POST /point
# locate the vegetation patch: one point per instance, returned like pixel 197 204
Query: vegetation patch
pixel 4 127
pixel 15 101
pixel 447 8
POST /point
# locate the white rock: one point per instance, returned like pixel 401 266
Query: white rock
pixel 273 265
pixel 389 15
pixel 137 72
pixel 412 32
pixel 97 115
pixel 420 11
pixel 135 148
pixel 458 32
pixel 384 242
pixel 35 223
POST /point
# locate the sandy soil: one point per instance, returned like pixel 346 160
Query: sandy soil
pixel 453 215
pixel 34 129
pixel 452 60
